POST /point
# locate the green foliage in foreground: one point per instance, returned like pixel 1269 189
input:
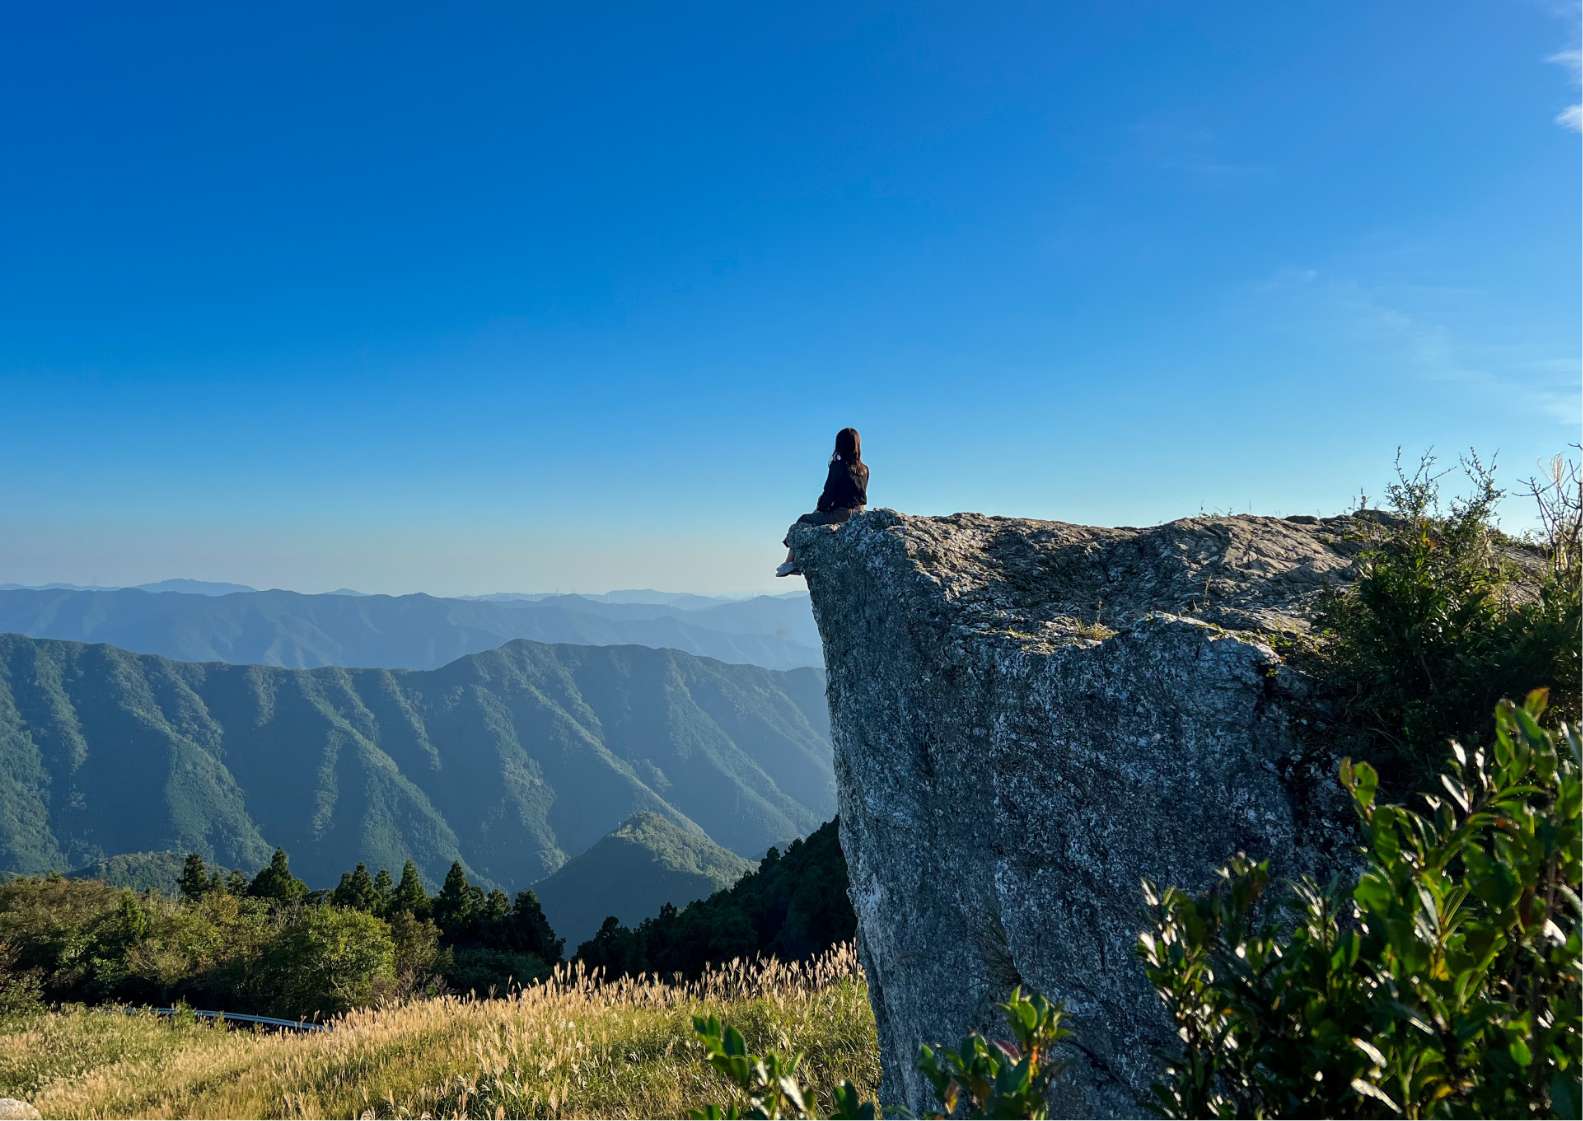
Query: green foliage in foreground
pixel 977 1080
pixel 1444 984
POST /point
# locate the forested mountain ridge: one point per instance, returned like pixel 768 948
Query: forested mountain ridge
pixel 632 872
pixel 298 631
pixel 509 761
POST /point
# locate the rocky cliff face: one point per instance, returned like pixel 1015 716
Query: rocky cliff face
pixel 1031 717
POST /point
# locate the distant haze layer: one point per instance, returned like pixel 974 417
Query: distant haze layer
pixel 280 628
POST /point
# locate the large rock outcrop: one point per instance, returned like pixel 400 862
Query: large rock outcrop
pixel 1031 717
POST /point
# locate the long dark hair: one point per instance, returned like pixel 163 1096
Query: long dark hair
pixel 849 447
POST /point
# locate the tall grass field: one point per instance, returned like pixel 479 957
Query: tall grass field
pixel 574 1046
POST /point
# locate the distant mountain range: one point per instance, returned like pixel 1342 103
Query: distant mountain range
pixel 511 761
pixel 187 587
pixel 289 629
pixel 684 600
pixel 632 872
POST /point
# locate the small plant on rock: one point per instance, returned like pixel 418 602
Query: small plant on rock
pixel 985 1079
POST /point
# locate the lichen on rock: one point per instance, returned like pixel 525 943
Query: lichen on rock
pixel 1030 718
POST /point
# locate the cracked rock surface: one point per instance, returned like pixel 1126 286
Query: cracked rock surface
pixel 1030 718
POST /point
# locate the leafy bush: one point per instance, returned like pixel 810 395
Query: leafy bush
pixel 1446 983
pixel 769 1082
pixel 327 960
pixel 1448 615
pixel 483 971
pixel 20 989
pixel 979 1079
pixel 1000 1079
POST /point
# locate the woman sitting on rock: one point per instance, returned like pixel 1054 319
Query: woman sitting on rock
pixel 845 491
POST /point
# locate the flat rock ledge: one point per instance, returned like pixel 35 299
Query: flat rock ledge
pixel 1031 717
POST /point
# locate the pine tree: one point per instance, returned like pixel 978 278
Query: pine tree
pixel 276 881
pixel 384 888
pixel 194 882
pixel 235 883
pixel 529 932
pixel 454 907
pixel 497 908
pixel 355 891
pixel 409 895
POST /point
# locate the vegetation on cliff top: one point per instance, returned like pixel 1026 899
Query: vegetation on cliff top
pixel 1448 615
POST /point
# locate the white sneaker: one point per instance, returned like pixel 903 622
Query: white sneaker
pixel 788 568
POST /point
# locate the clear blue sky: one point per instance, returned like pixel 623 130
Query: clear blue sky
pixel 466 297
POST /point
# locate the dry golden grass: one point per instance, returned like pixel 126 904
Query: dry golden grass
pixel 571 1047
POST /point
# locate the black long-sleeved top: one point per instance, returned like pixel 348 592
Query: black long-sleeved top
pixel 845 488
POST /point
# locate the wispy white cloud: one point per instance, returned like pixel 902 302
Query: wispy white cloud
pixel 1409 326
pixel 1572 116
pixel 1287 277
pixel 1542 386
pixel 1178 143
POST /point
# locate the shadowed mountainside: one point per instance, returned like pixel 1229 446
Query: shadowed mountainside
pixel 509 761
pixel 632 872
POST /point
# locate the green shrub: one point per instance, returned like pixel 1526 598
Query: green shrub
pixel 419 961
pixel 326 960
pixel 979 1079
pixel 1445 984
pixel 484 971
pixel 1448 615
pixel 21 991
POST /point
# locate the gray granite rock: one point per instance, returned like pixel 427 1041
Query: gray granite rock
pixel 1031 717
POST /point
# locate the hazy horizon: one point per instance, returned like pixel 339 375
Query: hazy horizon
pixel 70 585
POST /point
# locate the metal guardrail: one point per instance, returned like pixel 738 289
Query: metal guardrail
pixel 243 1018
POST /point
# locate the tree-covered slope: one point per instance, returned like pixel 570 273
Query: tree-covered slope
pixel 509 761
pixel 277 628
pixel 140 871
pixel 794 906
pixel 631 872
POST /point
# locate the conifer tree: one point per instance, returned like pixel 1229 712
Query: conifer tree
pixel 356 890
pixel 497 908
pixel 409 895
pixel 384 888
pixel 194 882
pixel 276 881
pixel 529 932
pixel 454 907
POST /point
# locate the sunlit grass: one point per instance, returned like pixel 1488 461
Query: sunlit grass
pixel 572 1047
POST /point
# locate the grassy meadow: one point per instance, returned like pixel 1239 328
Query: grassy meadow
pixel 570 1047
